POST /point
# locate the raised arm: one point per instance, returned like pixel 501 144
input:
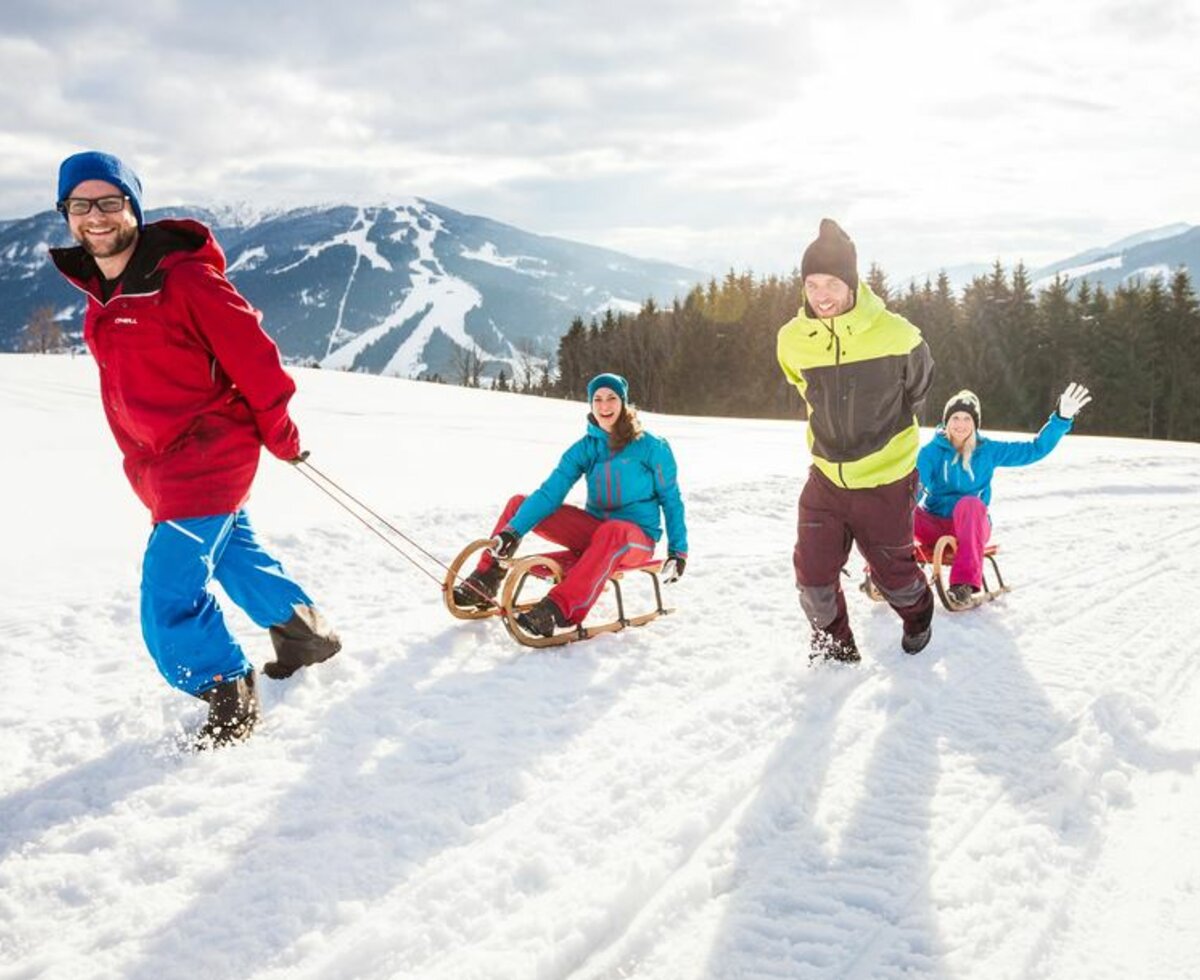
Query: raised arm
pixel 1074 398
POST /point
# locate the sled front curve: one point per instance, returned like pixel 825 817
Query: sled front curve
pixel 453 578
pixel 943 555
pixel 548 567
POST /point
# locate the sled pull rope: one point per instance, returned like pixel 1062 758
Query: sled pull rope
pixel 325 483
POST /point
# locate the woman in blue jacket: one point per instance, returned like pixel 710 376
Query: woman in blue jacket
pixel 956 469
pixel 630 478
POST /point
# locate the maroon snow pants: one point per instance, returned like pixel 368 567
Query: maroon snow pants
pixel 880 521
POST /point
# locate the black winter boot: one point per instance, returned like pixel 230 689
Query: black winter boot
pixel 916 642
pixel 542 618
pixel 918 623
pixel 303 640
pixel 480 588
pixel 232 713
pixel 827 647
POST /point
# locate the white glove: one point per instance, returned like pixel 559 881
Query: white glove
pixel 1072 400
pixel 672 569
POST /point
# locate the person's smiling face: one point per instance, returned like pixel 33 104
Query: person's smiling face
pixel 606 407
pixel 827 295
pixel 960 427
pixel 104 235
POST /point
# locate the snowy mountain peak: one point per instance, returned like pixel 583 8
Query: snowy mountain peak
pixel 408 287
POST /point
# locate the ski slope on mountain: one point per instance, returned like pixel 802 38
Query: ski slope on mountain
pixel 683 801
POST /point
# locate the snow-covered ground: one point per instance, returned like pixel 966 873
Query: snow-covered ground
pixel 685 800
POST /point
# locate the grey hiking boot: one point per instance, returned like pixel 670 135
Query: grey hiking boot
pixel 479 588
pixel 303 640
pixel 962 594
pixel 232 713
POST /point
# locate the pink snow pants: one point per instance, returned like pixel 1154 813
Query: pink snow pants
pixel 602 547
pixel 970 525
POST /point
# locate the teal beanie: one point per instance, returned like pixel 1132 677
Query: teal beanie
pixel 613 381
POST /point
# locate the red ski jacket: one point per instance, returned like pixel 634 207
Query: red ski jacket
pixel 192 385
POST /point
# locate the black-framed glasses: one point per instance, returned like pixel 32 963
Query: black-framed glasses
pixel 109 204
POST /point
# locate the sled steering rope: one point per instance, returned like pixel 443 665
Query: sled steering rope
pixel 365 516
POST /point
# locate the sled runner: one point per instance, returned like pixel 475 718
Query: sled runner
pixel 940 557
pixel 549 567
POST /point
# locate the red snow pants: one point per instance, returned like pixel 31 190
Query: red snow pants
pixel 880 520
pixel 602 547
pixel 971 527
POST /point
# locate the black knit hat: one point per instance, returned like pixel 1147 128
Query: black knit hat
pixel 832 254
pixel 963 401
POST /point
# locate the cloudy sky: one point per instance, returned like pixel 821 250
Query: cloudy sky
pixel 707 132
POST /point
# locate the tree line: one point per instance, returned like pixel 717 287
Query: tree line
pixel 713 352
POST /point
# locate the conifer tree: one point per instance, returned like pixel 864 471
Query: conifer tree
pixel 573 361
pixel 878 282
pixel 1183 405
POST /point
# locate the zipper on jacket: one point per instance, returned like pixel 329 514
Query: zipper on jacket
pixel 837 396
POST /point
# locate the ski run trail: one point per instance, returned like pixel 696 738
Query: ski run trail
pixel 685 800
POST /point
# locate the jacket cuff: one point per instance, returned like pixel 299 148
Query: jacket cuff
pixel 279 432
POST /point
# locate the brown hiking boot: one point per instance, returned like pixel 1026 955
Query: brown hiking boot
pixel 232 713
pixel 303 640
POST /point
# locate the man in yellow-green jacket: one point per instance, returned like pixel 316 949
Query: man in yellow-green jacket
pixel 863 373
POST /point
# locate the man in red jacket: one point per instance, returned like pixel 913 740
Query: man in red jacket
pixel 192 388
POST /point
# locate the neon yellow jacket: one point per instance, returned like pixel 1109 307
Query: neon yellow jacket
pixel 864 376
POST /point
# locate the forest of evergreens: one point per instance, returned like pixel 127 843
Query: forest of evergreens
pixel 713 352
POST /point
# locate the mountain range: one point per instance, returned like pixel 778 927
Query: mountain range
pixel 411 289
pixel 416 289
pixel 1156 252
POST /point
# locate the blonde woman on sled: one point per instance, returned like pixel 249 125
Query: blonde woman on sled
pixel 956 469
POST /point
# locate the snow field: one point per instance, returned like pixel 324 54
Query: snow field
pixel 685 800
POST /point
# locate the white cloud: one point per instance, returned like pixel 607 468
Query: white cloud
pixel 701 132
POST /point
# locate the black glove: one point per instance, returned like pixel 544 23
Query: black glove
pixel 672 570
pixel 505 543
pixel 297 460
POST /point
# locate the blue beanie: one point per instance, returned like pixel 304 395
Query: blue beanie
pixel 613 381
pixel 93 165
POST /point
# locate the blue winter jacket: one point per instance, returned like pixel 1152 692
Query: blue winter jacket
pixel 946 481
pixel 630 485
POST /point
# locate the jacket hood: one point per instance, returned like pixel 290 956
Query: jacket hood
pixel 161 246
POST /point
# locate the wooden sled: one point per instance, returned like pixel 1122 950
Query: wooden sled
pixel 551 567
pixel 940 557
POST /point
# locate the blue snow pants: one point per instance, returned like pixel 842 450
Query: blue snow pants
pixel 181 621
